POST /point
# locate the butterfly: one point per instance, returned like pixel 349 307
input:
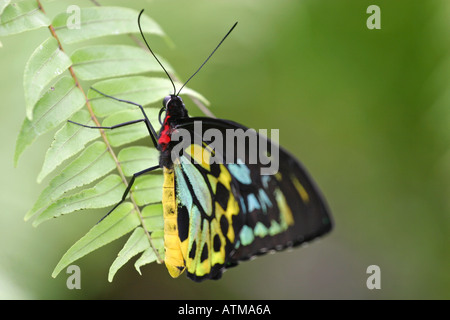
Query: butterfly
pixel 221 210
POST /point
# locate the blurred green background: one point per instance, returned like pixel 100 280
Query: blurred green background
pixel 366 111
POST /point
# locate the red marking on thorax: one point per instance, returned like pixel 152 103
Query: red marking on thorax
pixel 166 132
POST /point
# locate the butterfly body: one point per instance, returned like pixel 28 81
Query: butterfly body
pixel 175 110
pixel 217 214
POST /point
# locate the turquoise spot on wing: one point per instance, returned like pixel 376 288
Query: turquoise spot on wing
pixel 183 193
pixel 198 184
pixel 246 235
pixel 264 198
pixel 275 228
pixel 241 172
pixel 260 230
pixel 252 202
pixel 244 209
pixel 265 180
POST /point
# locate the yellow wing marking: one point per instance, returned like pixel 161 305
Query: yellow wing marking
pixel 201 155
pixel 286 217
pixel 301 190
pixel 232 205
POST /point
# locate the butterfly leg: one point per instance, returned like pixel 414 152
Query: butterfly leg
pixel 111 127
pixel 127 190
pixel 150 128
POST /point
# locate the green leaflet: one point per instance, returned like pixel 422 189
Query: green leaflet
pixel 137 158
pixel 3 4
pixel 21 16
pixel 55 107
pixel 107 61
pixel 45 64
pixel 148 189
pixel 103 21
pixel 153 219
pixel 154 222
pixel 69 140
pixel 106 193
pixel 138 241
pixel 120 222
pixel 93 163
pixel 138 89
pixel 149 256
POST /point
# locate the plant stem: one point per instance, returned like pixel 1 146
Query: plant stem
pixel 104 137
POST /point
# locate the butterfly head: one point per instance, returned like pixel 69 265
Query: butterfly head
pixel 174 109
pixel 174 106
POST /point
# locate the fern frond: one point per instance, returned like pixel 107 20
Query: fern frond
pixel 89 167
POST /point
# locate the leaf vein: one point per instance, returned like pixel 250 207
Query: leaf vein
pixel 98 236
pixel 97 195
pixel 20 16
pixel 90 22
pixel 33 125
pixel 84 169
pixel 64 182
pixel 128 92
pixel 106 61
pixel 77 132
pixel 53 55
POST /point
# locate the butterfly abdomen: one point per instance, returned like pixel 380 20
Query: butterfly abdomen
pixel 173 257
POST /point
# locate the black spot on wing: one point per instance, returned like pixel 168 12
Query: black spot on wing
pixel 224 225
pixel 215 170
pixel 193 250
pixel 216 243
pixel 183 223
pixel 222 195
pixel 204 254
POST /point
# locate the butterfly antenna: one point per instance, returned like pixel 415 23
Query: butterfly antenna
pixel 207 58
pixel 151 51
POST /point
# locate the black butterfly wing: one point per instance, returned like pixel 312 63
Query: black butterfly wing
pixel 281 211
pixel 276 211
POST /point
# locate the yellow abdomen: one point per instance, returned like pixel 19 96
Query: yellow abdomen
pixel 173 257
